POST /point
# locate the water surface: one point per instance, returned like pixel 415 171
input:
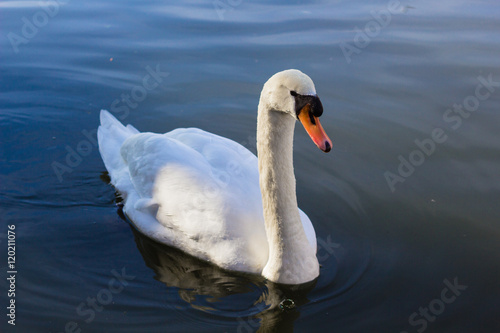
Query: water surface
pixel 388 252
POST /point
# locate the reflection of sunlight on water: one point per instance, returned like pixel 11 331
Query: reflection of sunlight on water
pixel 19 4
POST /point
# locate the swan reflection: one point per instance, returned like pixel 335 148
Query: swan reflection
pixel 262 305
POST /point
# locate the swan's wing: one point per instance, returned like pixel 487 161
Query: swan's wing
pixel 146 154
pixel 205 156
pixel 203 190
pixel 223 154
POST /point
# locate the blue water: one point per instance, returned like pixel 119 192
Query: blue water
pixel 404 86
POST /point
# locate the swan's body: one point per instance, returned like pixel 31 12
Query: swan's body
pixel 200 192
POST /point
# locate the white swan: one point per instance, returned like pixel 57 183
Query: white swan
pixel 200 192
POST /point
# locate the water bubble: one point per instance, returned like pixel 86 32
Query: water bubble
pixel 287 304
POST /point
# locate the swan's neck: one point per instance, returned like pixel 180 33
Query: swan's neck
pixel 291 257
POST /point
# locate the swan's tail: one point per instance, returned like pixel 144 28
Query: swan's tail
pixel 111 135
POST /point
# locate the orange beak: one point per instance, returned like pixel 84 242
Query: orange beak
pixel 314 129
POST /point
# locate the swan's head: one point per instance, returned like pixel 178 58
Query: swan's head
pixel 293 92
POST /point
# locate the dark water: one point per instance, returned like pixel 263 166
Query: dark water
pixel 412 250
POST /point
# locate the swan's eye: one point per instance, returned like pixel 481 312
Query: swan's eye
pixel 293 93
